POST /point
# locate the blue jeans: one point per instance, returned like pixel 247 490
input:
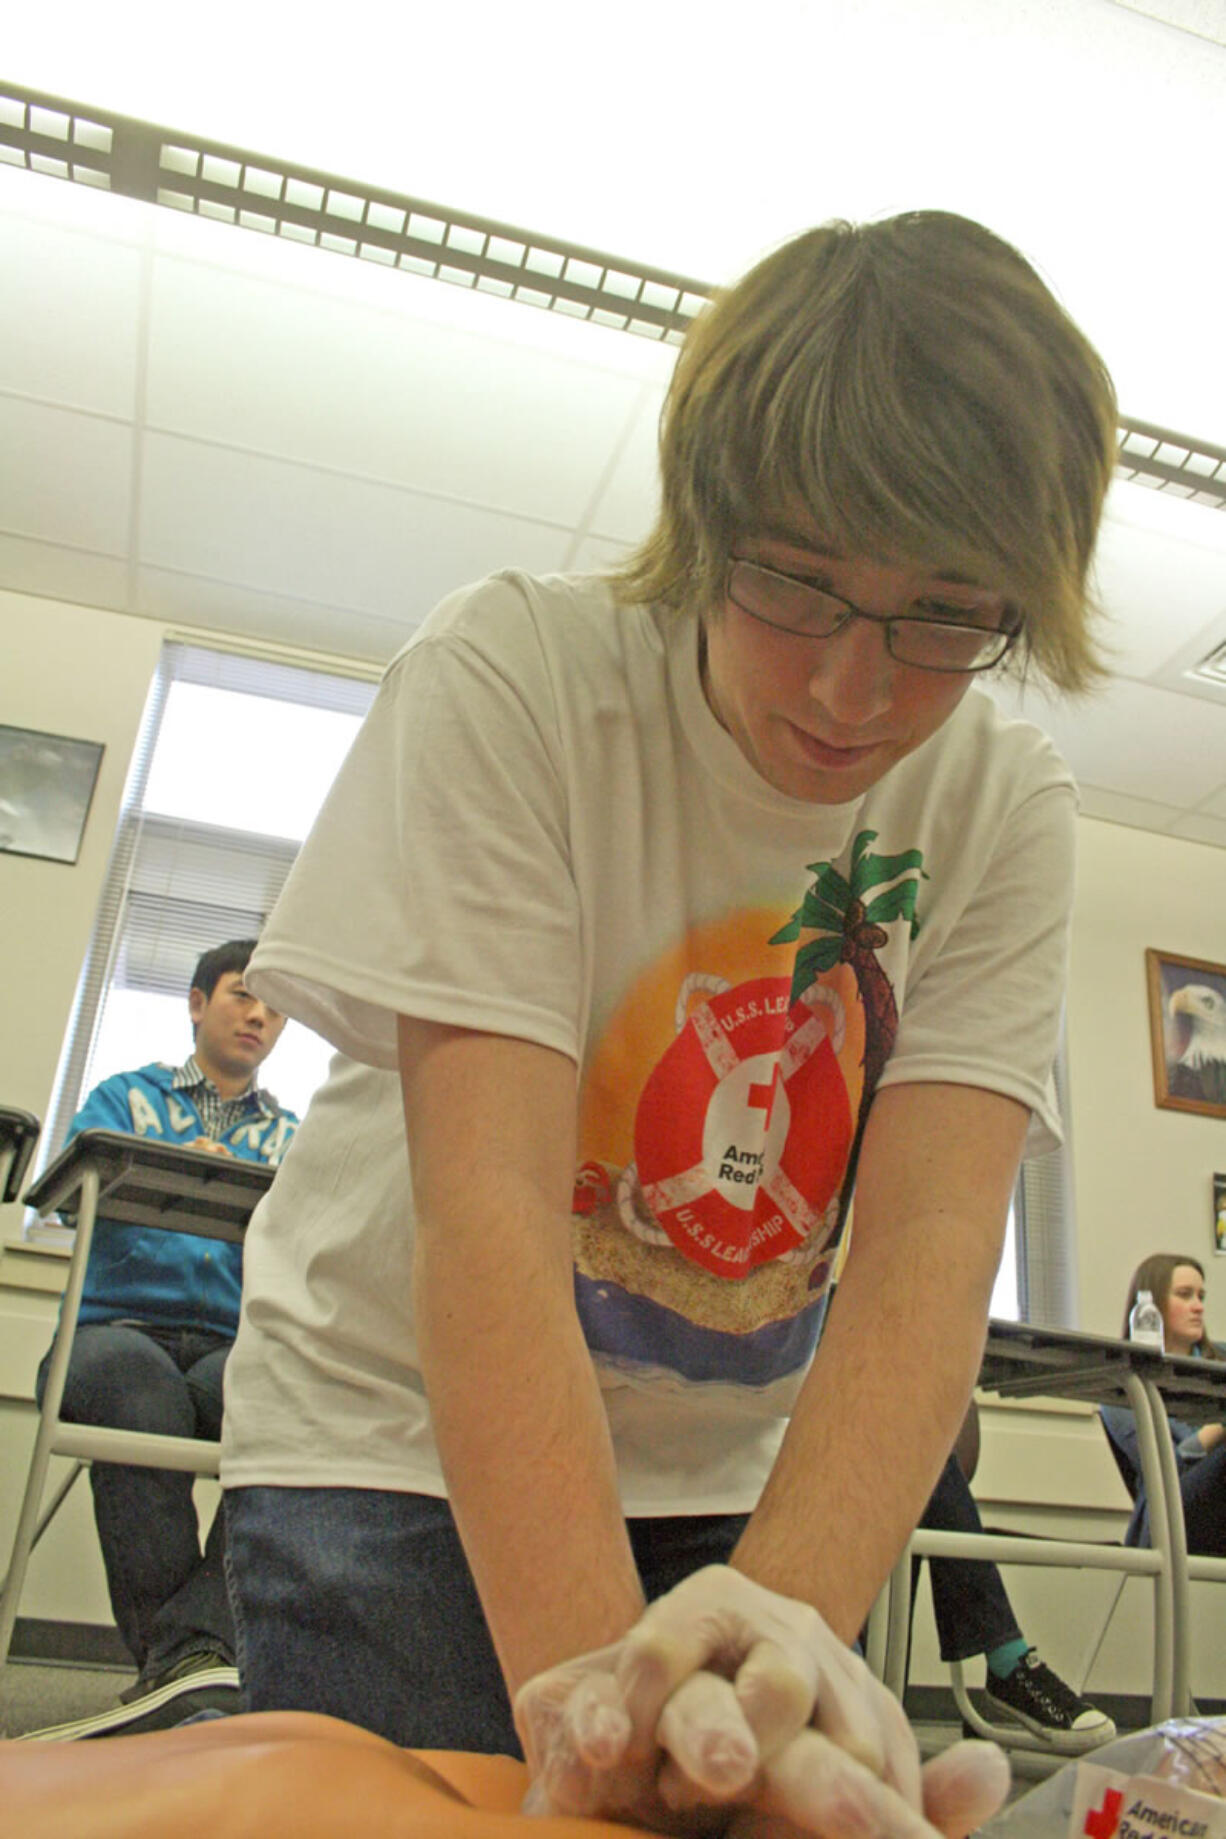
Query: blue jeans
pixel 360 1603
pixel 169 1598
pixel 1203 1487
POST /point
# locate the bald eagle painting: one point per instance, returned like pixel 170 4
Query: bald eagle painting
pixel 1188 1020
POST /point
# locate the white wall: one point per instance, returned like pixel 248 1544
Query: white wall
pixel 1142 1175
pixel 74 671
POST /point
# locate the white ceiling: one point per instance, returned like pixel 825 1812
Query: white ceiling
pixel 208 427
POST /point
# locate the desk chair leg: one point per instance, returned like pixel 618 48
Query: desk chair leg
pixel 973 1718
pixel 1081 1677
pixel 52 1508
pixel 48 1417
pixel 1170 1602
pixel 28 1527
pixel 876 1633
pixel 898 1627
pixel 1177 1534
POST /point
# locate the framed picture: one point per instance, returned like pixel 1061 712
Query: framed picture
pixel 1219 1214
pixel 1187 1032
pixel 46 787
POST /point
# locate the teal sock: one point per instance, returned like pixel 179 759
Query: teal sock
pixel 1003 1660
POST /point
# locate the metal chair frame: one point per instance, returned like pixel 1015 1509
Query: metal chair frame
pixel 1165 1562
pixel 140 1182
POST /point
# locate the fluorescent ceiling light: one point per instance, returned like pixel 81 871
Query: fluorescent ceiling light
pixel 280 198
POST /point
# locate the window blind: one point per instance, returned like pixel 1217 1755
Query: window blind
pixel 1046 1226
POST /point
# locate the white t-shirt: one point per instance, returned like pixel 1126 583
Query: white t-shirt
pixel 542 831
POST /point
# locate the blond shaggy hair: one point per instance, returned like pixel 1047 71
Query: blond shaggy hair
pixel 913 389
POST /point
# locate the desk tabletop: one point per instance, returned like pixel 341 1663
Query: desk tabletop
pixel 1021 1360
pixel 143 1181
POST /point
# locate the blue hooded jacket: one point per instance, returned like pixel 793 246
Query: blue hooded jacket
pixel 170 1279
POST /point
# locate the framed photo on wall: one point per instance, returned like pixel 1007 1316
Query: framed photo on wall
pixel 46 787
pixel 1219 1214
pixel 1187 1032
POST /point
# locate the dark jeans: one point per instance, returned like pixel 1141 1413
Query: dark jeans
pixel 169 1599
pixel 1203 1487
pixel 973 1613
pixel 359 1602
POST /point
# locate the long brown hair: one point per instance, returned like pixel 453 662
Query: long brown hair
pixel 1155 1274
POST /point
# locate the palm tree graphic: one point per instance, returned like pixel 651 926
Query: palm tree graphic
pixel 849 928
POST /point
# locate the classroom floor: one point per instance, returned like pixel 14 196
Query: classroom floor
pixel 34 1695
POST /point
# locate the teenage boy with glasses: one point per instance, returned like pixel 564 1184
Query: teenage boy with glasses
pixel 656 908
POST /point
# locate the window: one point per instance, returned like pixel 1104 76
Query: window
pixel 1037 1277
pixel 1004 1301
pixel 1045 1256
pixel 235 757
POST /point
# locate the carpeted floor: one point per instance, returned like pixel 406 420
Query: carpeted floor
pixel 34 1695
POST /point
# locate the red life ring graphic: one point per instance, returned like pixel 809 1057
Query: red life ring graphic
pixel 720 1167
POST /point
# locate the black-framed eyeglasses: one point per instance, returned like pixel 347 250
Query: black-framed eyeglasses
pixel 927 641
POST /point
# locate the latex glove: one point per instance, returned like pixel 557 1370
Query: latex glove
pixel 812 1788
pixel 687 1713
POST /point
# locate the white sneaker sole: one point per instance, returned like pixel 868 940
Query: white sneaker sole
pixel 1063 1742
pixel 120 1718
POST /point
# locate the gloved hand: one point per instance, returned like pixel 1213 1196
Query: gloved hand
pixel 814 1788
pixel 726 1694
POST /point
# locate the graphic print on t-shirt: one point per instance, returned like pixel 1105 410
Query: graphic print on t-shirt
pixel 719 1110
pixel 719 1170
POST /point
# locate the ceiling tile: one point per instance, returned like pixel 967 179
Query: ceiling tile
pixel 1132 739
pixel 629 499
pixel 325 275
pixel 1116 808
pixel 216 606
pixel 1214 806
pixel 69 316
pixel 591 555
pixel 302 534
pixel 74 575
pixel 1197 828
pixel 379 394
pixel 64 478
pixel 1160 590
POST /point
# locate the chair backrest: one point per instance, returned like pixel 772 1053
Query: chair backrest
pixel 18 1135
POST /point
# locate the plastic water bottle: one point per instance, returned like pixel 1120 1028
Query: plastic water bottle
pixel 1145 1322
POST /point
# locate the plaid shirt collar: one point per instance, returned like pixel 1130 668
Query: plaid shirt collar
pixel 190 1077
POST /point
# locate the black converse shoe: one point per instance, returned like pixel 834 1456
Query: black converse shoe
pixel 1033 1695
pixel 201 1682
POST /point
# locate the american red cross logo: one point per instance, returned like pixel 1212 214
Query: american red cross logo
pixel 761 1096
pixel 1101 1822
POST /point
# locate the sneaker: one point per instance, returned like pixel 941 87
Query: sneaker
pixel 197 1683
pixel 202 1660
pixel 1034 1696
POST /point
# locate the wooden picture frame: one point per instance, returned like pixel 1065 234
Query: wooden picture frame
pixel 1187 1027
